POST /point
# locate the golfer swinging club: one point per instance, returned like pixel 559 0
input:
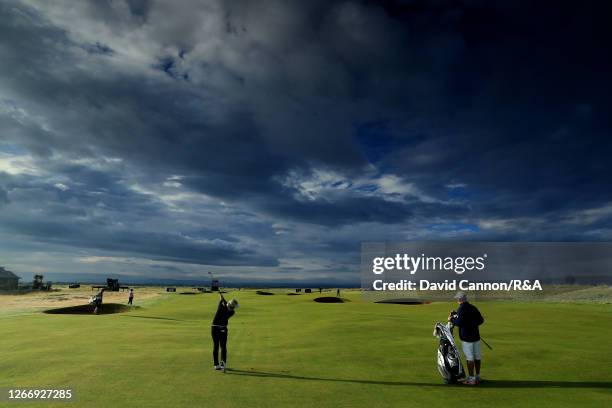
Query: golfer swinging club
pixel 468 318
pixel 225 310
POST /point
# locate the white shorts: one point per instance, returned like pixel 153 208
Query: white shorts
pixel 471 349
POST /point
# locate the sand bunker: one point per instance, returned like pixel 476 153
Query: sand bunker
pixel 330 299
pixel 293 294
pixel 403 301
pixel 261 292
pixel 106 308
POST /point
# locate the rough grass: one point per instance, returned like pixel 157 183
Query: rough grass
pixel 288 351
pixel 62 296
pixel 596 294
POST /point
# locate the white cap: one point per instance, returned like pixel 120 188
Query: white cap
pixel 461 296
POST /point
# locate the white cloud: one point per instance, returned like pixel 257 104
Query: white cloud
pixel 510 225
pixel 590 215
pixel 322 184
pixel 453 186
pixel 18 164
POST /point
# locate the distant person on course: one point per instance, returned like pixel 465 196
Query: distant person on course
pixel 468 318
pixel 131 297
pixel 225 310
pixel 97 301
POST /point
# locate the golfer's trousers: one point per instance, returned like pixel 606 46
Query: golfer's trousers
pixel 219 336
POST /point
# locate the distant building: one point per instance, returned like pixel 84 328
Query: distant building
pixel 8 280
pixel 214 286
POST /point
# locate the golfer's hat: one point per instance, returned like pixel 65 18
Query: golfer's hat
pixel 461 295
pixel 233 304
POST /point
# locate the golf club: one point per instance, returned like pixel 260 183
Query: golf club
pixel 486 344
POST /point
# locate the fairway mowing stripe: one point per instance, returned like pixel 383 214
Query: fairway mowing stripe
pixel 237 344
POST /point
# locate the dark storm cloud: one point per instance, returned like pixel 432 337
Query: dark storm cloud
pixel 389 119
pixel 3 196
pixel 83 218
pixel 529 126
pixel 161 246
pixel 171 128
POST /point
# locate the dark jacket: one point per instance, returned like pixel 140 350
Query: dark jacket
pixel 468 319
pixel 223 314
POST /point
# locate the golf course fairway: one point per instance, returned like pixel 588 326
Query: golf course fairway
pixel 289 351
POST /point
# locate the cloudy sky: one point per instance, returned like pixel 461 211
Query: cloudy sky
pixel 265 140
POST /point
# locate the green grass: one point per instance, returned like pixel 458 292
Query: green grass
pixel 290 351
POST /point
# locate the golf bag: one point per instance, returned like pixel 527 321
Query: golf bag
pixel 449 361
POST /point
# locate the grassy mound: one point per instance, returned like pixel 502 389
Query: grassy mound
pixel 106 308
pixel 403 301
pixel 596 294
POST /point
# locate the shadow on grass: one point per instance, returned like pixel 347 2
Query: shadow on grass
pixel 484 384
pixel 545 384
pixel 105 308
pixel 153 317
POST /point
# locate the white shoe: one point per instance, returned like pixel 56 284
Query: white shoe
pixel 222 365
pixel 217 367
pixel 477 378
pixel 470 381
